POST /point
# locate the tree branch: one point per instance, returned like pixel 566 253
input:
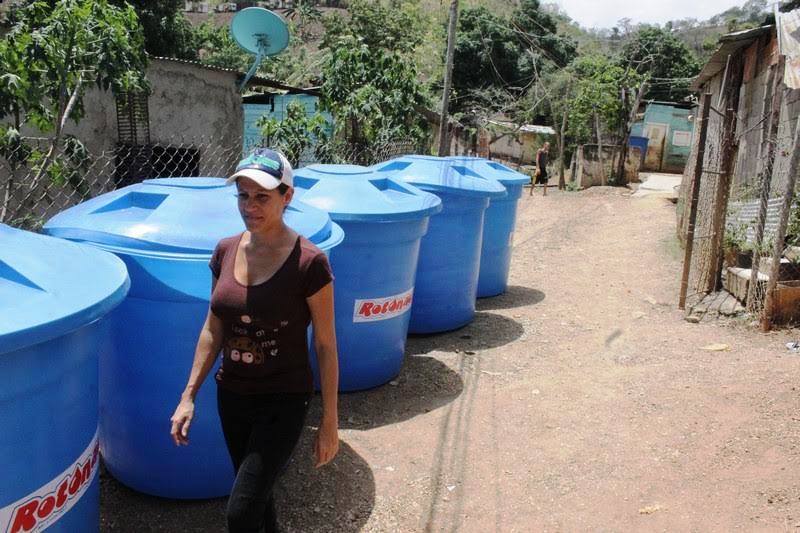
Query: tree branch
pixel 62 120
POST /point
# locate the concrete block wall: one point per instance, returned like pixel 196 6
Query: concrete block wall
pixel 587 168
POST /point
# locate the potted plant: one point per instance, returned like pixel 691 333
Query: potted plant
pixel 737 250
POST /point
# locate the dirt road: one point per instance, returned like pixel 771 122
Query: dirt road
pixel 580 400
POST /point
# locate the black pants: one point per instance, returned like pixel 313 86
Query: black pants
pixel 261 431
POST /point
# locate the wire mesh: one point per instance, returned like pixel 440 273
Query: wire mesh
pixel 30 195
pixel 739 255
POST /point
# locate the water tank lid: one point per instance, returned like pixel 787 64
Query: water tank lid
pixel 492 169
pixel 438 174
pixel 169 216
pixel 50 287
pixel 356 193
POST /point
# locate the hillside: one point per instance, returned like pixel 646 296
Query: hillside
pixel 700 35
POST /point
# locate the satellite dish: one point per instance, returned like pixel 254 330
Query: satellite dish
pixel 260 32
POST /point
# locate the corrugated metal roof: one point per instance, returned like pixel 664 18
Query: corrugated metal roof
pixel 527 128
pixel 729 45
pixel 254 81
pixel 747 34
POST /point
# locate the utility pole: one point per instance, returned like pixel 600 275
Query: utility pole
pixel 444 142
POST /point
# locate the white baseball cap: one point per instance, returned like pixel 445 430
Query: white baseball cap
pixel 268 168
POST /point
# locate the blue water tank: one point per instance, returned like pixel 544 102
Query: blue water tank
pixel 53 297
pixel 449 258
pixel 639 142
pixel 383 220
pixel 498 226
pixel 165 230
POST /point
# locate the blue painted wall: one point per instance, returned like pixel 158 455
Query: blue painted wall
pixel 252 112
pixel 677 120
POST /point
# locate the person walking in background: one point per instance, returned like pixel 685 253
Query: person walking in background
pixel 542 158
pixel 268 284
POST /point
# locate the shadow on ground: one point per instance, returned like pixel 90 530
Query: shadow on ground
pixel 515 296
pixel 124 510
pixel 338 497
pixel 487 330
pixel 424 384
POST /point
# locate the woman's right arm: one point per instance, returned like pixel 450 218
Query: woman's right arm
pixel 209 344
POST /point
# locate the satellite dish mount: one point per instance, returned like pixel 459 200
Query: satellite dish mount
pixel 260 32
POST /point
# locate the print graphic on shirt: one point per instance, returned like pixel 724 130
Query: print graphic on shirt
pixel 252 340
pixel 245 350
pixel 267 344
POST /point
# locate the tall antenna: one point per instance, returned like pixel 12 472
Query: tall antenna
pixel 260 32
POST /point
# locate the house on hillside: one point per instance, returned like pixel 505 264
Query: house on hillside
pixel 753 80
pixel 746 75
pixel 498 138
pixel 512 142
pixel 191 123
pixel 668 130
pixel 196 7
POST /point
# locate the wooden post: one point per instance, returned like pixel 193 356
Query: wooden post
pixel 698 172
pixel 780 232
pixel 712 277
pixel 724 80
pixel 603 180
pixel 444 144
pixel 561 182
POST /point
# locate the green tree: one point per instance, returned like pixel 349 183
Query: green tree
pixel 664 59
pixel 369 74
pixel 217 47
pixel 295 134
pixel 396 28
pixel 498 60
pixel 49 59
pixel 167 32
pixel 538 37
pixel 487 54
pixel 596 82
pixel 372 93
pixel 303 14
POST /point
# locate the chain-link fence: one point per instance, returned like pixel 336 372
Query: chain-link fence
pixel 745 201
pixel 31 193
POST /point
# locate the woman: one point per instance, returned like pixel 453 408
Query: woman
pixel 542 157
pixel 267 284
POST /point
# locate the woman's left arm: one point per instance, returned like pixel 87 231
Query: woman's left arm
pixel 326 444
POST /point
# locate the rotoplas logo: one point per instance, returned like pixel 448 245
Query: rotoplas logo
pixel 373 309
pixel 49 503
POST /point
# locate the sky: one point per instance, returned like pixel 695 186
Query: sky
pixel 606 13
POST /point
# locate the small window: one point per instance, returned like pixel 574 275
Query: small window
pixel 133 118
